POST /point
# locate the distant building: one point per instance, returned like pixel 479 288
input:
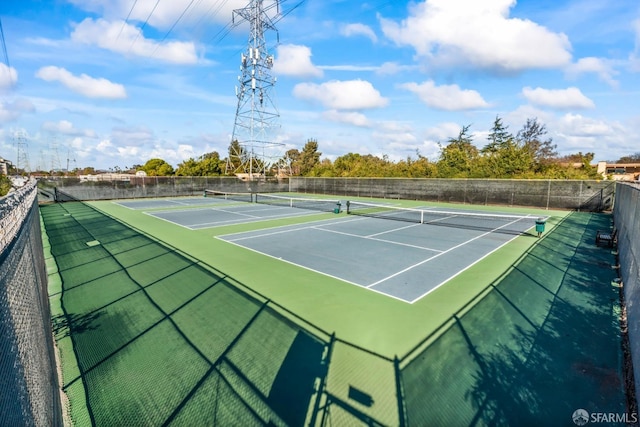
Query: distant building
pixel 5 165
pixel 106 177
pixel 619 171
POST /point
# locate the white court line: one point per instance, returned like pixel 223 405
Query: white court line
pixel 391 231
pixel 377 240
pixel 316 271
pixel 233 212
pixel 436 256
pixel 239 221
pixel 307 226
pixel 464 269
pixel 168 220
pixel 127 207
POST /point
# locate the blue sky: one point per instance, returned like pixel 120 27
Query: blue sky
pixel 113 83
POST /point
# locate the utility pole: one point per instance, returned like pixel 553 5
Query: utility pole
pixel 253 150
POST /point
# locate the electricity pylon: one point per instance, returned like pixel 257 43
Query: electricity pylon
pixel 253 149
pixel 22 157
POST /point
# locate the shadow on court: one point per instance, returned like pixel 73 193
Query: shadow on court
pixel 541 342
pixel 158 338
pixel 161 339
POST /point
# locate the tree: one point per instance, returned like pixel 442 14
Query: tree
pixel 5 185
pixel 542 151
pixel 458 157
pixel 209 164
pixel 187 167
pixel 499 138
pixel 237 156
pixel 632 158
pixel 324 168
pixel 309 157
pixel 87 171
pixel 291 160
pixel 414 168
pixel 157 167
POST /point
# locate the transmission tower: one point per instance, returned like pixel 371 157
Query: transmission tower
pixel 56 166
pixel 22 157
pixel 252 150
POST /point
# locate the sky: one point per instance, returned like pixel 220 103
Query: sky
pixel 113 83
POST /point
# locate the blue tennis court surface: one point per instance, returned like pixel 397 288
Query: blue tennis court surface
pixel 177 202
pixel 218 212
pixel 402 260
pixel 390 255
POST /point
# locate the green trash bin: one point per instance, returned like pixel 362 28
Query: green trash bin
pixel 540 222
pixel 338 208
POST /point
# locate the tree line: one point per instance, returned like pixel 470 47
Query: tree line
pixel 529 153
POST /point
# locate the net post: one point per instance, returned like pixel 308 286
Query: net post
pixel 421 217
pixel 348 205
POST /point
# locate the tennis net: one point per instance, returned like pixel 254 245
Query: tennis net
pixel 502 223
pixel 324 205
pixel 241 197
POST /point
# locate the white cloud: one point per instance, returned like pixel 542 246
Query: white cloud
pixel 351 117
pixel 348 67
pixel 65 127
pixel 8 77
pixel 350 30
pixel 124 136
pixel 295 60
pixel 390 68
pixel 172 155
pixel 574 132
pixel 83 84
pixel 105 146
pixel 601 67
pixel 478 34
pixel 342 95
pixel 446 97
pixel 11 111
pixel 164 14
pixel 557 98
pixel 129 40
pixel 580 126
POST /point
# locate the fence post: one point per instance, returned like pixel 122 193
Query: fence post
pixel 402 417
pixel 548 192
pixel 323 381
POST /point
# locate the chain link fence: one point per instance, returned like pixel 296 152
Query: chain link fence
pixel 627 222
pixel 547 194
pixel 29 393
pixel 67 189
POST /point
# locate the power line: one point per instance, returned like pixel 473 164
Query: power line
pixel 144 25
pixel 127 18
pixel 4 46
pixel 172 27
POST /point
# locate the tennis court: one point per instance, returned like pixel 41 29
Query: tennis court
pixel 399 259
pixel 210 314
pixel 403 253
pixel 222 209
